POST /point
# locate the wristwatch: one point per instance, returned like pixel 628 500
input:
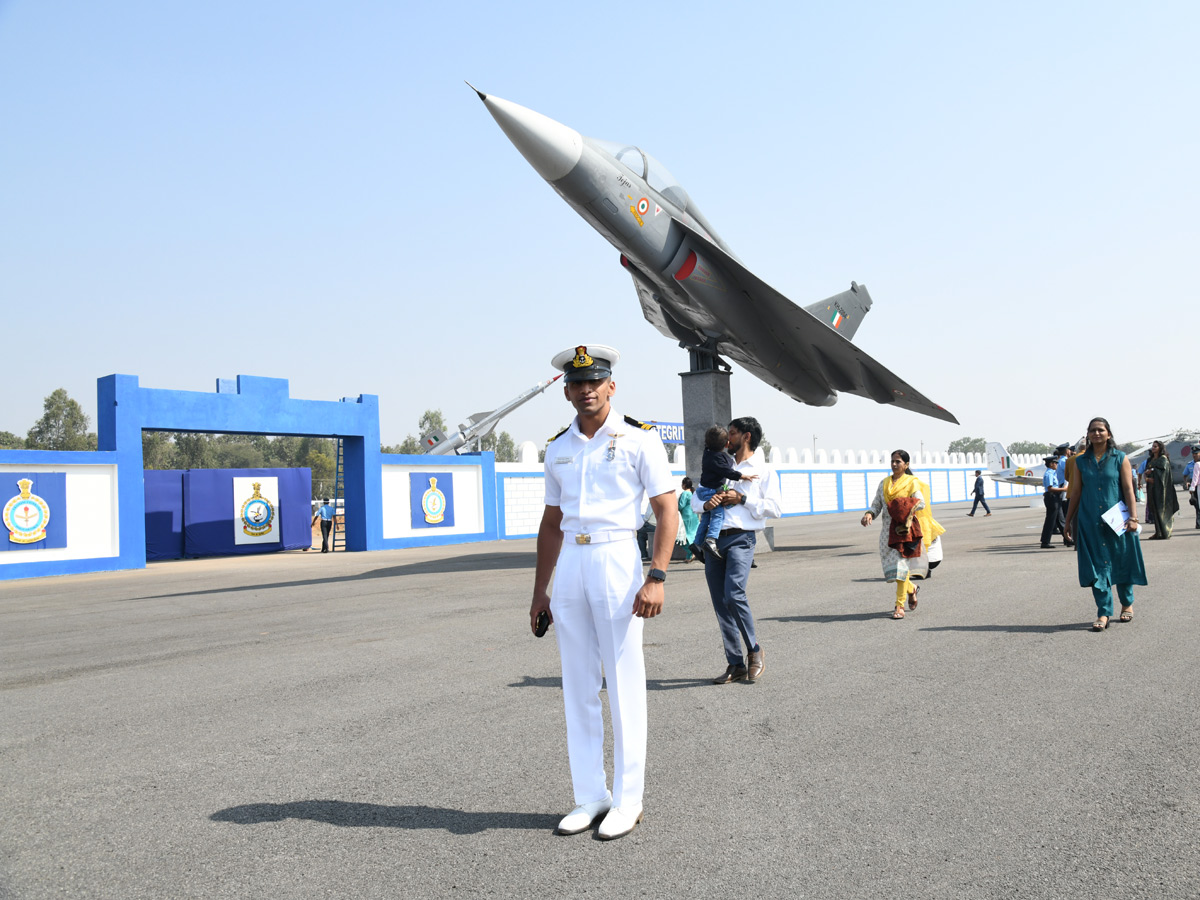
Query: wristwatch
pixel 656 575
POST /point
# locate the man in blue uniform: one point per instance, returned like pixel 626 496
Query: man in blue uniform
pixel 328 516
pixel 597 472
pixel 1051 489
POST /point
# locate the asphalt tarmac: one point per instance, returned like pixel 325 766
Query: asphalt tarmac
pixel 384 725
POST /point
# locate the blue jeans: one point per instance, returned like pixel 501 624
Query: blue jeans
pixel 727 587
pixel 711 520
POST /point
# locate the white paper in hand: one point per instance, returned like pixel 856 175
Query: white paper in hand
pixel 1116 517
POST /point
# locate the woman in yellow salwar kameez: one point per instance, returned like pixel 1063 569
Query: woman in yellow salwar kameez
pixel 931 531
pixel 900 484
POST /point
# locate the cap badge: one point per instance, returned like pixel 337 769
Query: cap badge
pixel 582 360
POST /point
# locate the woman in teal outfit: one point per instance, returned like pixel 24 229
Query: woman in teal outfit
pixel 688 518
pixel 1106 559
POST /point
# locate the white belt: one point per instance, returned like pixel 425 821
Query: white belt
pixel 603 537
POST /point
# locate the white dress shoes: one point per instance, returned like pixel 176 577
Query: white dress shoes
pixel 581 817
pixel 619 822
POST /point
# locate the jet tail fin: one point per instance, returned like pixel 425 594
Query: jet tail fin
pixel 998 458
pixel 843 312
pixel 431 440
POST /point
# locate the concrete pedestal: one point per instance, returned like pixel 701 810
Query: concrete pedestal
pixel 706 402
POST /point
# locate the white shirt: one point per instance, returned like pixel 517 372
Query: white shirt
pixel 763 499
pixel 599 483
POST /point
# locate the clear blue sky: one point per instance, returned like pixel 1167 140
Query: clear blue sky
pixel 309 191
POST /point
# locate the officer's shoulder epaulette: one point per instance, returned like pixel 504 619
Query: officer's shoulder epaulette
pixel 630 420
pixel 557 436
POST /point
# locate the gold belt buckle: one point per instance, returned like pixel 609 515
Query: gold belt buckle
pixel 583 538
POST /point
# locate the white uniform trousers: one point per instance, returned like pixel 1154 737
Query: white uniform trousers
pixel 592 605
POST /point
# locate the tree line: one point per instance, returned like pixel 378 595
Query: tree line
pixel 65 426
pixel 499 443
pixel 1037 448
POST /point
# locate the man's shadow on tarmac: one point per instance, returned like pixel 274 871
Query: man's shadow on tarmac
pixel 1016 629
pixel 805 548
pixel 487 562
pixel 1022 549
pixel 828 550
pixel 886 614
pixel 375 815
pixel 828 619
pixel 652 684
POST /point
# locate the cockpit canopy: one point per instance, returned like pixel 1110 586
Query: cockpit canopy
pixel 646 167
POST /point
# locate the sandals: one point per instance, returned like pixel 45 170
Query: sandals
pixel 912 597
pixel 1100 624
pixel 1126 614
pixel 898 612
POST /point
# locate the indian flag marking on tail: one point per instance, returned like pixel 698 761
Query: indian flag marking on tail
pixel 837 319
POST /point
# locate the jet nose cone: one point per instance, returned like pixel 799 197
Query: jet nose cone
pixel 550 147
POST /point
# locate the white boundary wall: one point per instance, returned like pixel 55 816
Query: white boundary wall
pixel 836 481
pixel 91 518
pixel 468 501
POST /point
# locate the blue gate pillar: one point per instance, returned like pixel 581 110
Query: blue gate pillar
pixel 251 406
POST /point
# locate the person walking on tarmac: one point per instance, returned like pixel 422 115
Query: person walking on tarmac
pixel 748 504
pixel 1051 489
pixel 328 516
pixel 1191 476
pixel 977 491
pixel 597 471
pixel 1064 452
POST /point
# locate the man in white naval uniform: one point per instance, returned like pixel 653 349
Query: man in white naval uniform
pixel 597 472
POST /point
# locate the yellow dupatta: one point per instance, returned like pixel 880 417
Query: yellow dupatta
pixel 930 529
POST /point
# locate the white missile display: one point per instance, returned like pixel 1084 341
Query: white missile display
pixel 480 425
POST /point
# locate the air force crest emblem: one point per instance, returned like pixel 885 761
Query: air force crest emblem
pixel 26 515
pixel 258 514
pixel 433 503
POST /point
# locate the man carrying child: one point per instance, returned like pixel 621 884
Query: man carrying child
pixel 716 470
pixel 747 506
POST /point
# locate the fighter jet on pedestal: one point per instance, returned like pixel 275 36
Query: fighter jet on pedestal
pixel 691 286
